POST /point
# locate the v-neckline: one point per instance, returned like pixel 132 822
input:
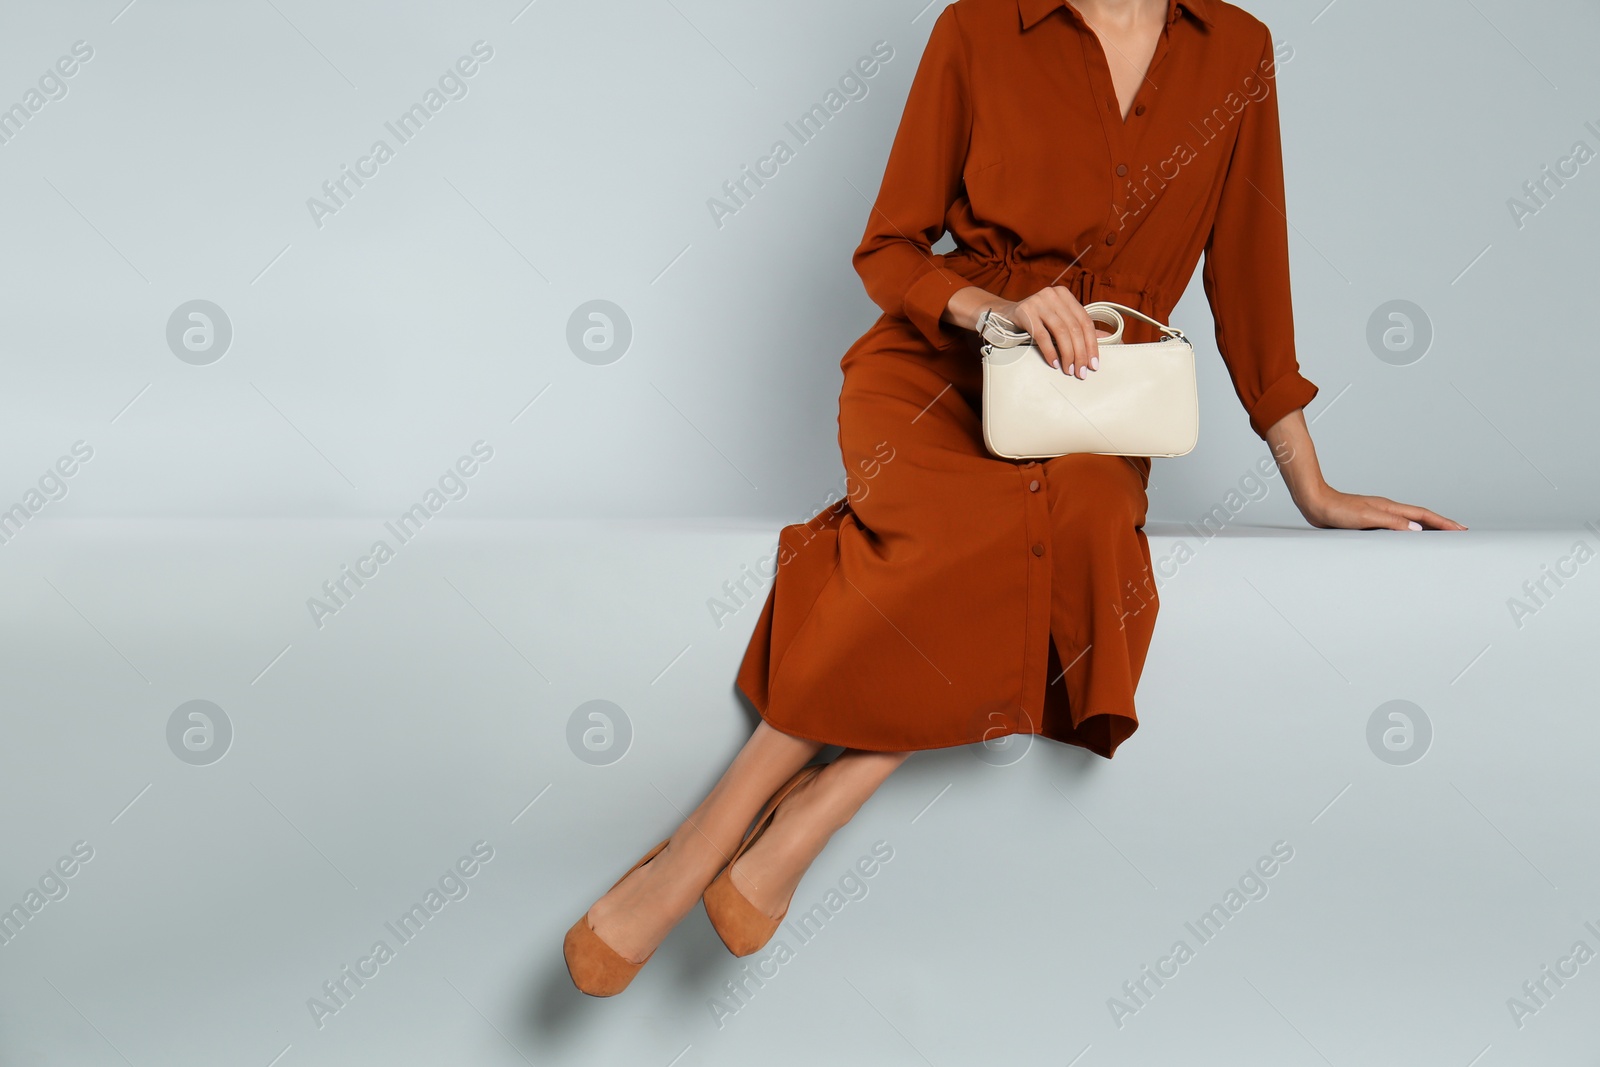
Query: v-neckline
pixel 1144 76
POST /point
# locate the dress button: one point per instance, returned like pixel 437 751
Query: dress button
pixel 1139 110
pixel 1038 549
pixel 1033 486
pixel 1122 168
pixel 1111 238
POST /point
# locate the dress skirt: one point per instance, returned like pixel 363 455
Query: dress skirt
pixel 954 597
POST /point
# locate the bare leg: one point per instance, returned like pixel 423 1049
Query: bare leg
pixel 637 915
pixel 768 874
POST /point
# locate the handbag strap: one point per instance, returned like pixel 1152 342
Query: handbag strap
pixel 1001 332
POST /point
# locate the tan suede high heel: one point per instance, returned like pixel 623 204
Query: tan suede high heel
pixel 596 968
pixel 743 927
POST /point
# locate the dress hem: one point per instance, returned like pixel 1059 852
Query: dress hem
pixel 1104 721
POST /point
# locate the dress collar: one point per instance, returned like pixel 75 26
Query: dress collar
pixel 1033 11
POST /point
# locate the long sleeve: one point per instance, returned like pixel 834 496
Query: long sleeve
pixel 902 274
pixel 1246 271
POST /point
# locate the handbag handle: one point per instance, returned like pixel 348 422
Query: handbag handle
pixel 1001 332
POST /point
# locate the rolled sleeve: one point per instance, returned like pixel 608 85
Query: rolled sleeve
pixel 921 181
pixel 1246 271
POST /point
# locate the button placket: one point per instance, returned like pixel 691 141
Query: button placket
pixel 1121 137
pixel 1036 530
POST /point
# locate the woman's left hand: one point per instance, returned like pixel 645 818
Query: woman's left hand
pixel 1333 510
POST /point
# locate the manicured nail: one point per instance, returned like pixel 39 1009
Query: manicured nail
pixel 1416 525
pixel 1056 363
pixel 1094 362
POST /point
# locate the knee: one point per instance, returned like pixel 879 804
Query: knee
pixel 1095 496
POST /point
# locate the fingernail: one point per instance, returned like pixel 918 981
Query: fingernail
pixel 1415 525
pixel 1056 363
pixel 1094 362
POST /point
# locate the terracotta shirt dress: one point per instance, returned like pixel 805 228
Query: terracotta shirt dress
pixel 952 596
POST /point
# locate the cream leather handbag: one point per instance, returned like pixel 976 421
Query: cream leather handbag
pixel 1141 402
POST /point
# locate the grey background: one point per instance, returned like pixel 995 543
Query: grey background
pixel 432 710
pixel 431 309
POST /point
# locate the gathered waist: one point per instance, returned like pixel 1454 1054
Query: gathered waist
pixel 1050 269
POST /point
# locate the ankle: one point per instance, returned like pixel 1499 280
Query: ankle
pixel 802 835
pixel 691 861
pixel 816 816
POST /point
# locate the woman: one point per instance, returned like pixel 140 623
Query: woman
pixel 1075 152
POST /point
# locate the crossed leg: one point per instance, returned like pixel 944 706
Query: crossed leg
pixel 636 915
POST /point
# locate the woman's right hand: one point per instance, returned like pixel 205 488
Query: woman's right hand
pixel 1063 332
